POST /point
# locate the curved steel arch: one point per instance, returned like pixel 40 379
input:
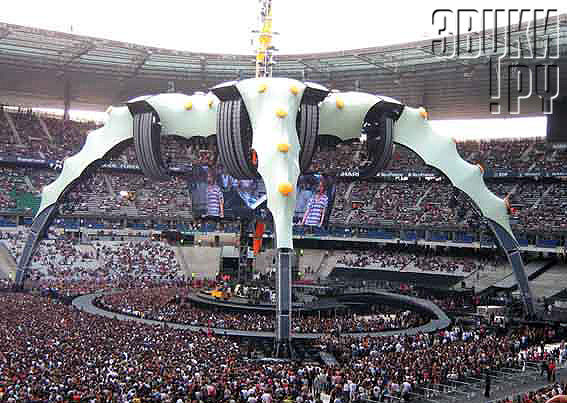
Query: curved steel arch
pixel 98 144
pixel 179 114
pixel 413 130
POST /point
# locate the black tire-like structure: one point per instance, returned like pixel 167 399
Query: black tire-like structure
pixel 241 124
pixel 379 129
pixel 147 132
pixel 307 131
pixel 234 136
pixel 221 135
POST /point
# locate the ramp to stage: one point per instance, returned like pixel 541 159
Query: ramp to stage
pixel 485 278
pixel 553 281
pixel 533 270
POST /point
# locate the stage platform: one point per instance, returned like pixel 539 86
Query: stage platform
pixel 238 303
pixel 85 303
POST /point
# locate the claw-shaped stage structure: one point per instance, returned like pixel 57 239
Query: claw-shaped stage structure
pixel 278 120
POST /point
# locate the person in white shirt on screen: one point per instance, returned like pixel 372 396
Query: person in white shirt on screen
pixel 316 207
pixel 215 199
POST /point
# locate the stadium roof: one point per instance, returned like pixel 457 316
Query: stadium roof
pixel 37 68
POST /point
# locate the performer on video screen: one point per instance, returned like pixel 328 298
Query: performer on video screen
pixel 316 207
pixel 215 199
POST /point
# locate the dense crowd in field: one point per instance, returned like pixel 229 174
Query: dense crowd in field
pixel 53 352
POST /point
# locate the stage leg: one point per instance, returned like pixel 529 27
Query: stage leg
pixel 38 229
pixel 283 308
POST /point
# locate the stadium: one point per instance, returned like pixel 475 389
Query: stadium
pixel 283 227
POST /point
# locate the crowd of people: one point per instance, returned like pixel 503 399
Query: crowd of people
pixel 436 204
pixel 412 258
pixel 429 359
pixel 70 267
pixel 145 260
pixel 385 258
pixel 170 304
pixel 54 352
pixel 378 203
pixel 10 181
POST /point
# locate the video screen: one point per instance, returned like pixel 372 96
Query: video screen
pixel 314 200
pixel 219 195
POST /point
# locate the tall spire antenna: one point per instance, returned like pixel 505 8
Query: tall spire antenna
pixel 264 47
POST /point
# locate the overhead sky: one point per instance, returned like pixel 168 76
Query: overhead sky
pixel 223 26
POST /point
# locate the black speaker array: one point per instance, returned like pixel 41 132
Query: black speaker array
pixel 379 129
pixel 147 132
pixel 234 134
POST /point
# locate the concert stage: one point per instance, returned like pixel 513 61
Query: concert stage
pixel 238 303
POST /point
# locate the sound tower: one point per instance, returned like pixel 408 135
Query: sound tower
pixel 244 264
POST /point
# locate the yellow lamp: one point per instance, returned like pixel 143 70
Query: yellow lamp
pixel 285 188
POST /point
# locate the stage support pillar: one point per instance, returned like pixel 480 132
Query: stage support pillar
pixel 283 308
pixel 244 274
pixel 66 99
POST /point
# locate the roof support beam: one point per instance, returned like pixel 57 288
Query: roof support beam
pixel 310 66
pixel 139 62
pixel 203 71
pixel 374 63
pixel 315 69
pixel 76 52
pixel 4 32
pixel 453 59
pixel 66 99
